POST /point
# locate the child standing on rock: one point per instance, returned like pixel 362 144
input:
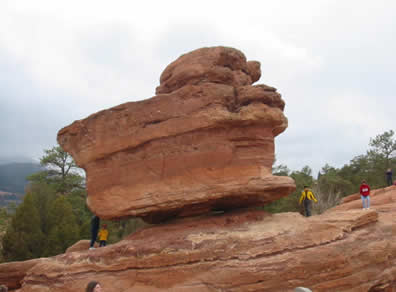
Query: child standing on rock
pixel 103 234
pixel 365 195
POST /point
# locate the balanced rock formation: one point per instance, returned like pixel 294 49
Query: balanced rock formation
pixel 204 142
pixel 344 249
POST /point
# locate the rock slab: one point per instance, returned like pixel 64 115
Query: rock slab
pixel 344 249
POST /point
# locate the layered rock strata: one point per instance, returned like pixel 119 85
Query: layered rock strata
pixel 344 249
pixel 204 142
pixel 12 274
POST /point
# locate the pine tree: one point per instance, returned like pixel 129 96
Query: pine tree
pixel 43 194
pixel 23 239
pixel 63 227
pixel 61 171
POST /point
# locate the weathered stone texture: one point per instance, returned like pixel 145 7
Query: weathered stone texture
pixel 205 142
pixel 345 249
pixel 12 274
pixel 217 65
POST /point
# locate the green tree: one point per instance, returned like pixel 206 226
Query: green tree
pixel 281 170
pixel 53 201
pixel 357 170
pixel 61 177
pixel 332 182
pixel 63 227
pixel 302 178
pixel 5 219
pixel 384 146
pixel 329 188
pixel 61 171
pixel 42 195
pixel 24 239
pixel 77 200
pixel 372 165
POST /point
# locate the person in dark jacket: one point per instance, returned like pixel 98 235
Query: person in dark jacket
pixel 389 177
pixel 95 222
pixel 365 195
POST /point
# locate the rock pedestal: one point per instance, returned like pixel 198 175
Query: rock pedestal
pixel 204 142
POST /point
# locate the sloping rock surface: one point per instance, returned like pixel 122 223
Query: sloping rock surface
pixel 81 245
pixel 344 249
pixel 205 142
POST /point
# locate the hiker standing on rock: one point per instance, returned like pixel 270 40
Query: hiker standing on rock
pixel 307 197
pixel 389 177
pixel 365 195
pixel 103 234
pixel 95 222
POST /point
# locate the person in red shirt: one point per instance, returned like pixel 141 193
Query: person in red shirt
pixel 365 195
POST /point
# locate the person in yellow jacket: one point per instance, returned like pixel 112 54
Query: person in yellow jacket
pixel 307 197
pixel 103 234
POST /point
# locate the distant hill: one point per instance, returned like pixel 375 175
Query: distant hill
pixel 13 176
pixel 16 159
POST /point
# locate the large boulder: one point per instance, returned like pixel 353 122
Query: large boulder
pixel 217 65
pixel 344 249
pixel 205 142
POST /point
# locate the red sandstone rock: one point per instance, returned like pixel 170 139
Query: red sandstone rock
pixel 81 246
pixel 205 142
pixel 12 274
pixel 383 197
pixel 217 64
pixel 254 71
pixel 341 250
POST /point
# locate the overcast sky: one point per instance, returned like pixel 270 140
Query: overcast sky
pixel 332 61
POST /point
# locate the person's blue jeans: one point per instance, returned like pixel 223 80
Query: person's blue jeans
pixel 365 201
pixel 389 180
pixel 307 207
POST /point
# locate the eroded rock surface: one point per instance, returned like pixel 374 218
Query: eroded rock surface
pixel 12 274
pixel 345 249
pixel 81 245
pixel 204 142
pixel 217 65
